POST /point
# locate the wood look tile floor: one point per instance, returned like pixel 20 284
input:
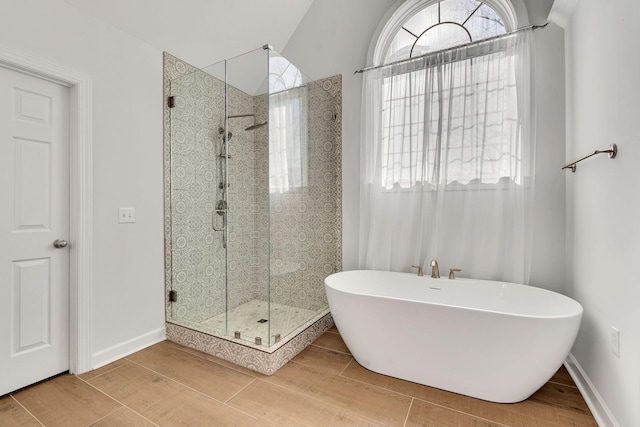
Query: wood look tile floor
pixel 170 385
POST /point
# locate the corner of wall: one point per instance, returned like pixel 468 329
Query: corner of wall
pixel 561 12
pixel 596 403
pixel 126 348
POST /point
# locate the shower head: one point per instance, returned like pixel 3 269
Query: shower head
pixel 256 126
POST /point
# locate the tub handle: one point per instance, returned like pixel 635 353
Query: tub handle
pixel 451 271
pixel 420 272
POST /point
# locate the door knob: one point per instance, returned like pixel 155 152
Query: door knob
pixel 59 243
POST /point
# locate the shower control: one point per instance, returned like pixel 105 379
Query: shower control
pixel 221 209
pixel 226 137
pixel 222 212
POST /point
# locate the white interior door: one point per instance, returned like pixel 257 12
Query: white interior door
pixel 34 213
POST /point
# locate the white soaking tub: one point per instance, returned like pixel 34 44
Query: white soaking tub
pixel 490 340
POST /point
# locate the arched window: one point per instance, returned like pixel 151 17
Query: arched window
pixel 451 116
pixel 288 171
pixel 448 141
pixel 423 26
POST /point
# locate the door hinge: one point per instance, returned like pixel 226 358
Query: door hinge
pixel 171 101
pixel 173 296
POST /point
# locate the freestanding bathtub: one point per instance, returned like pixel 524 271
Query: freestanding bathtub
pixel 490 340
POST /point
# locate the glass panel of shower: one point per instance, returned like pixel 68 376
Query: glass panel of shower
pixel 198 255
pixel 255 195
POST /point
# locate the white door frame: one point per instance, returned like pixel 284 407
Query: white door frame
pixel 80 192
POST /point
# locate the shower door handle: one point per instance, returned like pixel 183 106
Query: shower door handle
pixel 223 213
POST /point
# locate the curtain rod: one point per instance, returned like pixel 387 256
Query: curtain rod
pixel 373 67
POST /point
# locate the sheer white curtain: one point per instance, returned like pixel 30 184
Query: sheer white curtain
pixel 288 140
pixel 447 162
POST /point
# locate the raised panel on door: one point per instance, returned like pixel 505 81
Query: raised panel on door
pixel 32 185
pixel 31 308
pixel 32 107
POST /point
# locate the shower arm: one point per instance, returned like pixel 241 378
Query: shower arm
pixel 237 116
pixel 252 127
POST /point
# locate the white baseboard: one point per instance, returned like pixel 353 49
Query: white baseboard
pixel 596 404
pixel 126 348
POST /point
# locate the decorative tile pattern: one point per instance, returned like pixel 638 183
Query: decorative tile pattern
pixel 259 319
pixel 198 255
pixel 279 247
pixel 256 359
pixel 305 226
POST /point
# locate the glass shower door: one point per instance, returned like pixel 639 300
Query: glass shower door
pixel 198 253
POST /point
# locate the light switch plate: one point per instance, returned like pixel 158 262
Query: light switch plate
pixel 126 215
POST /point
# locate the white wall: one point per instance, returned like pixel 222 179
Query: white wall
pixel 128 296
pixel 335 37
pixel 603 208
pixel 548 256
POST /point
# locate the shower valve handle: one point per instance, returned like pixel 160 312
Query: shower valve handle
pixel 222 212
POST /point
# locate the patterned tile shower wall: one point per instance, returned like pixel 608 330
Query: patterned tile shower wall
pixel 197 171
pixel 194 253
pixel 279 246
pixel 305 225
pixel 198 256
pixel 248 250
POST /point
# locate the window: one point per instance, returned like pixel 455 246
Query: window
pixel 442 25
pixel 288 169
pixel 451 118
pixel 448 141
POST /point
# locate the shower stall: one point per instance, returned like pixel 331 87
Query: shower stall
pixel 252 201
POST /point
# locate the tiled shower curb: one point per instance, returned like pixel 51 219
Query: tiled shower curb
pixel 251 358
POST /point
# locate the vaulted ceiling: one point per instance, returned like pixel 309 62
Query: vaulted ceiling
pixel 202 31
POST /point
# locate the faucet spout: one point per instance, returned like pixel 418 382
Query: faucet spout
pixel 435 271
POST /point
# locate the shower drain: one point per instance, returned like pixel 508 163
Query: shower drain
pixel 262 321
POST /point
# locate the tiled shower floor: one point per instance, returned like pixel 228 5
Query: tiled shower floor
pixel 245 319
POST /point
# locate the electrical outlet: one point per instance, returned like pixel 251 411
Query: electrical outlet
pixel 615 341
pixel 126 215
